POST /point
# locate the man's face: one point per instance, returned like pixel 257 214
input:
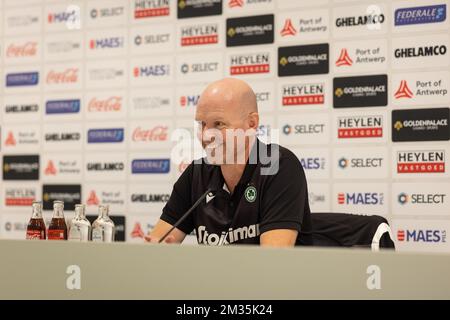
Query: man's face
pixel 221 130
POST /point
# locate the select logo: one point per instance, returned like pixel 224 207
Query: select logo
pixel 421 198
pixel 421 125
pixel 250 30
pixel 361 91
pixel 303 60
pixel 150 166
pixel 421 161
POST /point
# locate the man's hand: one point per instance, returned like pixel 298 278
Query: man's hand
pixel 153 239
pixel 160 229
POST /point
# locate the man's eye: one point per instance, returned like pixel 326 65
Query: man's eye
pixel 219 124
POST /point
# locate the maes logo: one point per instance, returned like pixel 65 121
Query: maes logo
pixel 418 235
pixel 356 198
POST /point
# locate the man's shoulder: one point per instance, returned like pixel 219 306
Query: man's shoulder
pixel 280 159
pixel 281 154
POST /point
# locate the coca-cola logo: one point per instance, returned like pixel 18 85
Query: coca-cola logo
pixel 113 103
pixel 158 133
pixel 70 75
pixel 28 49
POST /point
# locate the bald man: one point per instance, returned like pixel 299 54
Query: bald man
pixel 250 204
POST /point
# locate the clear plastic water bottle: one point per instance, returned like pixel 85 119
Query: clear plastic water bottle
pixel 80 227
pixel 103 228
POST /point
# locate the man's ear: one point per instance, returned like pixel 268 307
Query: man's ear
pixel 253 120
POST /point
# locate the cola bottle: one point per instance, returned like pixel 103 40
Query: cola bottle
pixel 57 230
pixel 103 227
pixel 36 225
pixel 80 227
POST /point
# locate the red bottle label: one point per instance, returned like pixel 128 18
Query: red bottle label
pixel 55 234
pixel 35 235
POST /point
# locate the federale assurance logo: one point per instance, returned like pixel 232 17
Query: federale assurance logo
pixel 420 15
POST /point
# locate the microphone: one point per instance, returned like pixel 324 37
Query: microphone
pixel 195 205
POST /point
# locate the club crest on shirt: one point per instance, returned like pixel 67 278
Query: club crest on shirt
pixel 250 194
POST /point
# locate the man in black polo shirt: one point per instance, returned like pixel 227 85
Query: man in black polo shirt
pixel 260 194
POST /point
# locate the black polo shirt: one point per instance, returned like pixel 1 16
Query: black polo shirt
pixel 258 204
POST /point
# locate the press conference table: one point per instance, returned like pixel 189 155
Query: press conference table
pixel 56 269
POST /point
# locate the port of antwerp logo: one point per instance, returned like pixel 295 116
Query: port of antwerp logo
pixel 403 91
pixel 344 59
pixel 10 141
pixel 51 169
pixel 288 29
pixel 93 199
pixel 235 3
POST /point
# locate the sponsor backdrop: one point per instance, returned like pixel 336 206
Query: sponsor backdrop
pixel 92 92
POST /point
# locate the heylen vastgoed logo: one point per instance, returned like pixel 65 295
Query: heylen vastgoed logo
pixel 360 127
pixel 303 60
pixel 421 161
pixel 21 167
pixel 146 166
pixel 421 15
pixel 196 8
pixel 250 30
pixel 361 91
pixel 421 125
